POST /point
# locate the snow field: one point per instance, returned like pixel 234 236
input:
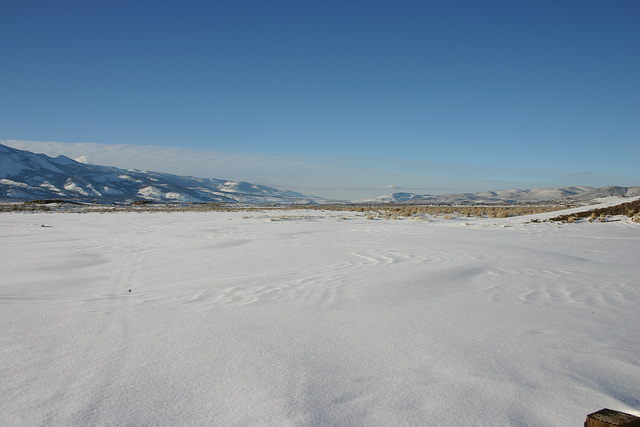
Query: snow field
pixel 315 319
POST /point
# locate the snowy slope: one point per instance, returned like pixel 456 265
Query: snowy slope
pixel 312 318
pixel 26 176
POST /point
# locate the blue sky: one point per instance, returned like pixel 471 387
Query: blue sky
pixel 431 97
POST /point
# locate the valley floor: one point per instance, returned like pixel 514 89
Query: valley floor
pixel 315 318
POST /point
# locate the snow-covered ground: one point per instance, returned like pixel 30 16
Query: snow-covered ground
pixel 315 319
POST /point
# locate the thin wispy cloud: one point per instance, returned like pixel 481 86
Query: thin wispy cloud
pixel 334 177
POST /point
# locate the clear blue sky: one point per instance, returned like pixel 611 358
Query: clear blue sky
pixel 518 85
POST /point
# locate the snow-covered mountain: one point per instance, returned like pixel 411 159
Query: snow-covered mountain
pixel 394 198
pixel 579 194
pixel 28 176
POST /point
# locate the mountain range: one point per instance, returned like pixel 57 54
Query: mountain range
pixel 559 195
pixel 27 176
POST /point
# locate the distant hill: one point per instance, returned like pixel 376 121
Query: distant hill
pixel 537 195
pixel 28 176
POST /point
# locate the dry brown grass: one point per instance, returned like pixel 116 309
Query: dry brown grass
pixel 371 211
pixel 403 211
pixel 628 209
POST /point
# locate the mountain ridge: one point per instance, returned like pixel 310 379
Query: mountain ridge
pixel 573 194
pixel 27 176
